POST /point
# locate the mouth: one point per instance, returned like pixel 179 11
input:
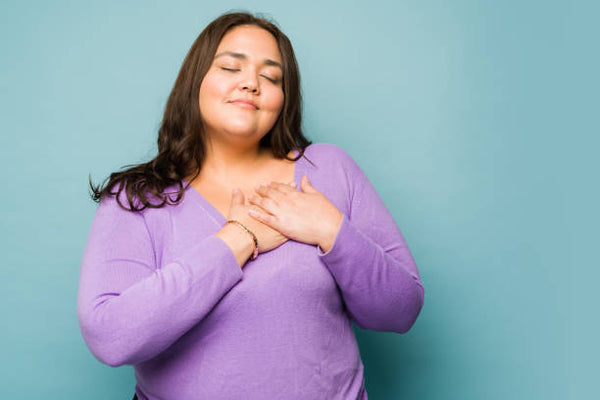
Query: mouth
pixel 244 104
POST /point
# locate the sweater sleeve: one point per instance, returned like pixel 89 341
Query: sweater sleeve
pixel 129 309
pixel 372 263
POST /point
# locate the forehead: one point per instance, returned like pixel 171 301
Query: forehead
pixel 251 40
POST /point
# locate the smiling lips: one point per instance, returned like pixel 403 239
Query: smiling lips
pixel 244 104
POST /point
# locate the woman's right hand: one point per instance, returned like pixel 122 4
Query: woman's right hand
pixel 268 238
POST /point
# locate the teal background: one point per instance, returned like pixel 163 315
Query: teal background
pixel 475 120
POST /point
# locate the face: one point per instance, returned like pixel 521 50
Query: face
pixel 241 95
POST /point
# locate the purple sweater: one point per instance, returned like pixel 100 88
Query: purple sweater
pixel 158 290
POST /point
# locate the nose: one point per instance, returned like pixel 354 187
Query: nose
pixel 249 82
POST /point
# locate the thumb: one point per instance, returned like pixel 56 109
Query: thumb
pixel 237 197
pixel 306 185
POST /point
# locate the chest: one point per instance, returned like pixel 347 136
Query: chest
pixel 218 193
pixel 289 277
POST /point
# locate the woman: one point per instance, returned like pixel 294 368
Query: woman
pixel 231 265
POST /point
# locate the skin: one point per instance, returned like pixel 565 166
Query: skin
pixel 275 211
pixel 234 131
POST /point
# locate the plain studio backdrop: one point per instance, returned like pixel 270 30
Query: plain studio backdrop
pixel 475 120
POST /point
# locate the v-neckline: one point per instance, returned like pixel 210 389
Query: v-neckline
pixel 214 212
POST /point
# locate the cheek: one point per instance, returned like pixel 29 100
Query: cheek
pixel 211 88
pixel 276 101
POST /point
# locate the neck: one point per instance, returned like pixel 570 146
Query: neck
pixel 228 159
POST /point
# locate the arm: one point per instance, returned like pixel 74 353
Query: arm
pixel 130 310
pixel 371 262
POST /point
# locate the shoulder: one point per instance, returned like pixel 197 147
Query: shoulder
pixel 132 202
pixel 114 214
pixel 332 171
pixel 116 207
pixel 328 155
pixel 119 204
pixel 325 150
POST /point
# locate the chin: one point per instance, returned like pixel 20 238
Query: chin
pixel 242 134
pixel 241 128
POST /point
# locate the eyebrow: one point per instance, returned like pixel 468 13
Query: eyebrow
pixel 242 56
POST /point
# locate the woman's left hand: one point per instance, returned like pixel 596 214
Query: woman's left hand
pixel 306 216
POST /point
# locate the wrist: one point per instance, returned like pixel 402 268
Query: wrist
pixel 250 233
pixel 239 242
pixel 328 238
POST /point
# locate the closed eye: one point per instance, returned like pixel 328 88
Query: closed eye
pixel 270 79
pixel 264 76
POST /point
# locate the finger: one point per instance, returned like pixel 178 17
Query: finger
pixel 259 214
pixel 306 185
pixel 283 187
pixel 266 203
pixel 270 192
pixel 237 197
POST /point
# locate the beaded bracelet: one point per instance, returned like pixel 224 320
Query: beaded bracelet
pixel 254 239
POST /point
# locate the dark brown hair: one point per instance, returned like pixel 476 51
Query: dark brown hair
pixel 181 149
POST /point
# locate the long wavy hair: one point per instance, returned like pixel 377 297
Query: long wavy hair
pixel 181 143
